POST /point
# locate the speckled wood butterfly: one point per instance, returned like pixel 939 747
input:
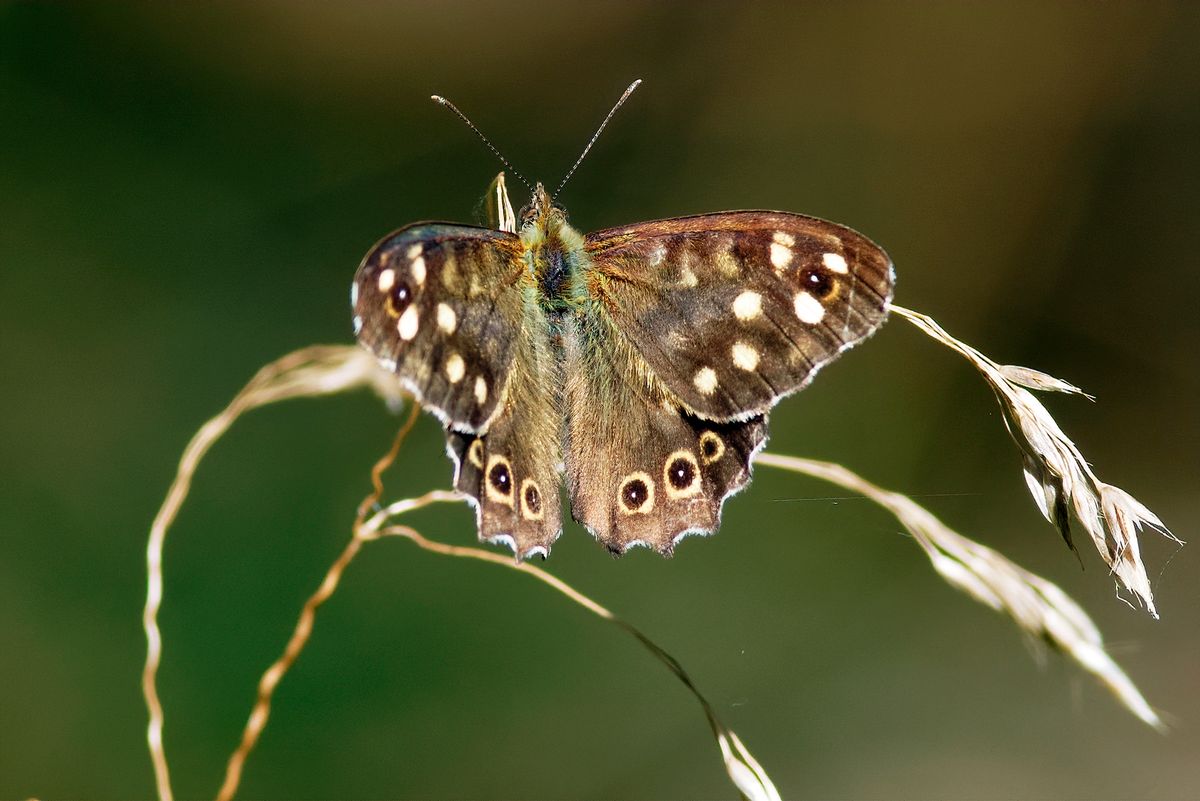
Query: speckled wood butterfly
pixel 638 364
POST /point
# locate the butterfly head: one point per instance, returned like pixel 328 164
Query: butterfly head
pixel 542 212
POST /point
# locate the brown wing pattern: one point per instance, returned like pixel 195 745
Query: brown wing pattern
pixel 512 471
pixel 640 470
pixel 441 306
pixel 732 311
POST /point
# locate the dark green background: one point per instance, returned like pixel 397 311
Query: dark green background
pixel 185 194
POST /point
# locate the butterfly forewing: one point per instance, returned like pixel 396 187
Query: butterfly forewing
pixel 441 305
pixel 732 311
pixel 446 307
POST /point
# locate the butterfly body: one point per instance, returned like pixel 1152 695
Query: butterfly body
pixel 636 365
pixel 556 254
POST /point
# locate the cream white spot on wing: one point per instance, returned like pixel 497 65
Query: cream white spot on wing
pixel 415 250
pixel 726 263
pixel 409 322
pixel 705 380
pixel 386 279
pixel 418 270
pixel 809 309
pixel 781 255
pixel 784 238
pixel 475 453
pixel 744 356
pixel 481 390
pixel 657 255
pixel 353 294
pixel 357 325
pixel 456 368
pixel 747 305
pixel 447 319
pixel 449 272
pixel 687 277
pixel 835 262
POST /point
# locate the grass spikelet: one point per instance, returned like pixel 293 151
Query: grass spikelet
pixel 1036 605
pixel 1060 480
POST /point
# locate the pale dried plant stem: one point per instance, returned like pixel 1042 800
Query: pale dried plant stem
pixel 1037 606
pixel 747 774
pixel 504 560
pixel 744 770
pixel 1060 480
pixel 271 678
pixel 261 711
pixel 317 370
pixel 209 433
pixel 327 370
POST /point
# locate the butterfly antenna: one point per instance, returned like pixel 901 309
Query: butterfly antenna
pixel 596 135
pixel 444 102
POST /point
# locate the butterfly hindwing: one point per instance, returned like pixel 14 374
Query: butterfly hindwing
pixel 511 472
pixel 441 305
pixel 732 311
pixel 639 470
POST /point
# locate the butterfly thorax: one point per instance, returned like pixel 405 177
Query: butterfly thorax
pixel 554 252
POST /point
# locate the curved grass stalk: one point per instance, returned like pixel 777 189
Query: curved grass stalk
pixel 1036 605
pixel 1060 479
pixel 316 370
pixel 326 370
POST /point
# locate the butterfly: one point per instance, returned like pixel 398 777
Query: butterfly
pixel 637 365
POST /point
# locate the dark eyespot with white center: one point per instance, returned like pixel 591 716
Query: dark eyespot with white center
pixel 498 481
pixel 636 494
pixel 681 475
pixel 531 500
pixel 399 297
pixel 712 447
pixel 500 478
pixel 817 281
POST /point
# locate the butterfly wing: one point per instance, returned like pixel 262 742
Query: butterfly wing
pixel 445 308
pixel 640 469
pixel 511 476
pixel 690 331
pixel 733 311
pixel 511 472
pixel 441 306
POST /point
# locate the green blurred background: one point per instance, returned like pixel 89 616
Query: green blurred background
pixel 185 194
